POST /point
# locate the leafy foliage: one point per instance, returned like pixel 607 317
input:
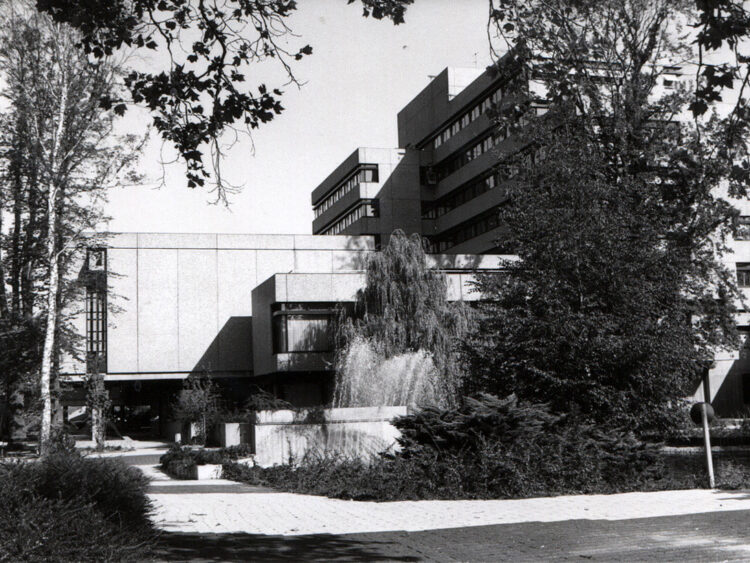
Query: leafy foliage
pixel 620 297
pixel 180 462
pixel 59 157
pixel 102 503
pixel 212 49
pixel 20 341
pixel 488 448
pixel 198 401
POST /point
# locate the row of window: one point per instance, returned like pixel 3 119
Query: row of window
pixel 464 233
pixel 363 173
pixel 473 189
pixel 467 118
pixel 96 331
pixel 451 165
pixel 367 208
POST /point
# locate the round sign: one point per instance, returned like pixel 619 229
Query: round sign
pixel 695 413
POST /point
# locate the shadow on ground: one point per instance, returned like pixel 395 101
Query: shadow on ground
pixel 255 547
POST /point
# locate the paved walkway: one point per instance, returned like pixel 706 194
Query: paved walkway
pixel 222 520
pixel 222 506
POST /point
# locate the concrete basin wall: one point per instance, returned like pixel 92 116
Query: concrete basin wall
pixel 358 432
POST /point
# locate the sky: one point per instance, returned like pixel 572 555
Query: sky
pixel 361 73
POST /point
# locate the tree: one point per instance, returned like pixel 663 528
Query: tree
pixel 98 402
pixel 619 299
pixel 212 49
pixel 198 401
pixel 61 158
pixel 403 308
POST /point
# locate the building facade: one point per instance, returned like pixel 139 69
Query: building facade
pixel 440 183
pixel 254 310
pixel 250 311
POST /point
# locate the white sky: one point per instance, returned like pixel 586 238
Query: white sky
pixel 361 73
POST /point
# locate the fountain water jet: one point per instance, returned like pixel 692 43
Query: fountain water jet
pixel 366 379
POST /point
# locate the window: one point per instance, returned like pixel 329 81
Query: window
pixel 366 208
pixel 743 274
pixel 469 230
pixel 96 330
pixel 301 327
pixel 97 259
pixel 363 173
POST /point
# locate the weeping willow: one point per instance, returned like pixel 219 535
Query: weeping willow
pixel 403 309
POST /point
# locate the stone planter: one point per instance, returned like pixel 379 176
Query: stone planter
pixel 360 432
pixel 228 434
pixel 203 472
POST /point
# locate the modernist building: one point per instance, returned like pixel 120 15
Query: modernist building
pixel 444 182
pixel 439 183
pixel 248 310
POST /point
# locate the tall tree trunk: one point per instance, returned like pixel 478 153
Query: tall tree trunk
pixel 15 265
pixel 53 190
pixel 3 294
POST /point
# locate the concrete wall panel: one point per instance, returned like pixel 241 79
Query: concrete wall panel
pixel 271 262
pixel 263 295
pixel 313 261
pixel 197 310
pixel 158 329
pixel 122 332
pixel 237 278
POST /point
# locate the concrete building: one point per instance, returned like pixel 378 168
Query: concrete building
pixel 248 310
pixel 439 183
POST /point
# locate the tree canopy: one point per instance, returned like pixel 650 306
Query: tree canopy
pixel 620 299
pixel 212 48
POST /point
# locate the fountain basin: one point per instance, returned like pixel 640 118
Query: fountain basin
pixel 354 432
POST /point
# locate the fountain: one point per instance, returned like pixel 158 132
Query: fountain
pixel 366 379
pixel 370 392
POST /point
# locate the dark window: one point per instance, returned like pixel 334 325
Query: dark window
pixel 743 275
pixel 96 331
pixel 746 388
pixel 302 327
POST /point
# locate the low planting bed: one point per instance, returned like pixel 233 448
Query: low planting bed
pixel 185 462
pixel 494 448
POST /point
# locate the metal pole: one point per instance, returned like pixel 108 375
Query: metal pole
pixel 707 444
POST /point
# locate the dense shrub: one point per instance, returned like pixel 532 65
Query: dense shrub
pixel 69 508
pixel 488 448
pixel 180 462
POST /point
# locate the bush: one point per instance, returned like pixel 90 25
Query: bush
pixel 488 448
pixel 180 462
pixel 65 507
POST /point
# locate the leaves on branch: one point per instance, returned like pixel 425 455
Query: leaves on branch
pixel 204 92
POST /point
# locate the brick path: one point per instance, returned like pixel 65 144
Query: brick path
pixel 293 514
pixel 226 521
